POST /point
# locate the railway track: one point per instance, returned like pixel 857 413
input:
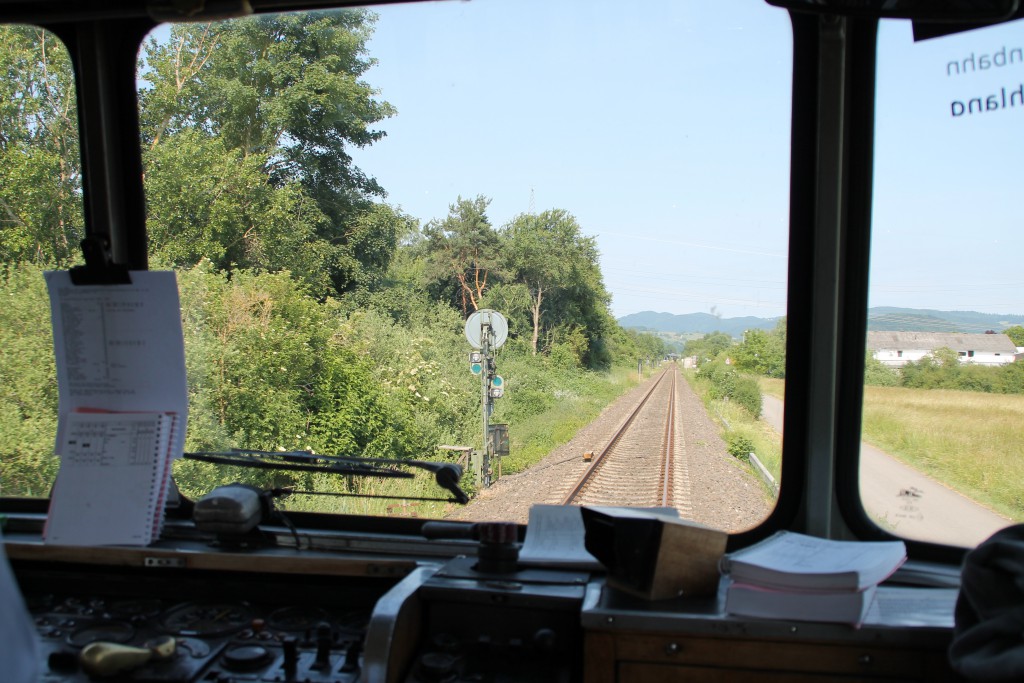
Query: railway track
pixel 644 462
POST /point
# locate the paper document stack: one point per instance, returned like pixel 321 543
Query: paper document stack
pixel 122 407
pixel 805 578
pixel 113 479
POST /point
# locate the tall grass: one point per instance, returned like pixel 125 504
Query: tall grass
pixel 773 387
pixel 970 441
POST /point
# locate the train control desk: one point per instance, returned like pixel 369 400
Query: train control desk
pixel 365 606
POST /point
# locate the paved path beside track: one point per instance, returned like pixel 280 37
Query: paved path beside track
pixel 908 502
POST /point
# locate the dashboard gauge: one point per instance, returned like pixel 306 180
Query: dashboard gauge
pixel 296 618
pixel 106 631
pixel 207 619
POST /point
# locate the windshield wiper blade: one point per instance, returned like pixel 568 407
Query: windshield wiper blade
pixel 298 461
pixel 446 474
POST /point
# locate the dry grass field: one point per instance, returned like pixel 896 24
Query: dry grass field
pixel 973 442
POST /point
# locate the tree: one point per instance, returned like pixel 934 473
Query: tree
pixel 28 384
pixel 271 368
pixel 1016 334
pixel 543 254
pixel 209 202
pixel 254 118
pixel 372 239
pixel 646 345
pixel 41 214
pixel 708 347
pixel 947 358
pixel 462 252
pixel 548 254
pixel 763 352
pixel 877 373
pixel 726 382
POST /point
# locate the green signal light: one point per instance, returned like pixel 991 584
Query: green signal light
pixel 476 368
pixel 497 381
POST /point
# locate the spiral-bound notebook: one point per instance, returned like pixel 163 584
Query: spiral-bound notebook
pixel 113 478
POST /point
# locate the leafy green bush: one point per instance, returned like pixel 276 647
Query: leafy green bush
pixel 28 384
pixel 747 393
pixel 877 374
pixel 727 383
pixel 708 347
pixel 763 352
pixel 945 371
pixel 738 445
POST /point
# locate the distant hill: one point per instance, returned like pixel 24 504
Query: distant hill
pixel 889 319
pixel 694 323
pixel 881 319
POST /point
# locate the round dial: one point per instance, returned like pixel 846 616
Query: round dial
pixel 107 631
pixel 207 619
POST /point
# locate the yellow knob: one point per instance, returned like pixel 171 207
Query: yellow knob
pixel 106 659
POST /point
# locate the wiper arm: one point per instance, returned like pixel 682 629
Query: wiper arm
pixel 446 474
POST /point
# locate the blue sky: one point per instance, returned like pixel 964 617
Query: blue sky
pixel 664 128
pixel 947 228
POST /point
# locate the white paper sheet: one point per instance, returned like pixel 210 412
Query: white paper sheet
pixel 119 347
pixel 113 479
pixel 789 560
pixel 906 606
pixel 555 537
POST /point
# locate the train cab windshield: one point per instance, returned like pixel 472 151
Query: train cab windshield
pixel 752 265
pixel 338 192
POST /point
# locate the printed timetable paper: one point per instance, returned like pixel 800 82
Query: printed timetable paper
pixel 113 478
pixel 119 347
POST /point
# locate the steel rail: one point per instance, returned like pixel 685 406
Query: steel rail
pixel 668 454
pixel 595 464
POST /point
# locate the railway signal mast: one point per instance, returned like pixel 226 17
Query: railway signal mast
pixel 486 331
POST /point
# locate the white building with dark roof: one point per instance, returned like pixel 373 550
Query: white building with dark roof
pixel 899 348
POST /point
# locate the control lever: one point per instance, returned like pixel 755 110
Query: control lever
pixel 499 550
pixel 106 659
pixel 291 658
pixel 351 663
pixel 324 641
